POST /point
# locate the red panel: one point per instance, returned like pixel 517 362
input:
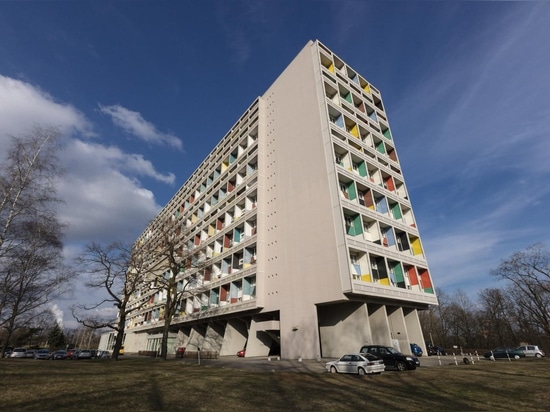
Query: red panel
pixel 425 277
pixel 412 275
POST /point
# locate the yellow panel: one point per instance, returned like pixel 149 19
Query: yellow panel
pixel 417 248
pixel 366 277
pixel 211 231
pixel 385 282
pixel 354 131
pixel 246 265
pixel 367 88
pixel 194 218
pixel 224 167
pixel 331 68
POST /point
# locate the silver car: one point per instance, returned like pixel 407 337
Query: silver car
pixel 19 353
pixel 361 364
pixel 532 351
pixel 42 354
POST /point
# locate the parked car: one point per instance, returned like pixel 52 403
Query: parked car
pixel 241 353
pixel 60 355
pixel 532 351
pixel 392 357
pixel 30 353
pixel 19 353
pixel 416 350
pixel 500 353
pixel 434 350
pixel 71 353
pixel 360 363
pixel 103 354
pixel 42 354
pixel 84 354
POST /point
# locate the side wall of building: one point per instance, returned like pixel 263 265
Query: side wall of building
pixel 302 243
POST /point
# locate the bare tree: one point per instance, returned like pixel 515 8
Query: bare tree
pixel 32 272
pixel 118 270
pixel 498 324
pixel 528 273
pixel 172 268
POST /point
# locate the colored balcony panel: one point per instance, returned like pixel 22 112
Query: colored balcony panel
pixel 381 204
pixel 388 237
pixel 416 246
pixel 389 184
pixel 227 241
pixel 362 169
pixel 425 280
pixel 249 286
pixel 367 199
pixel 237 234
pixel 327 63
pixel 372 114
pixel 396 211
pixel 354 225
pixel 352 193
pixel 392 155
pixel 351 128
pixel 214 297
pixel 224 293
pixel 335 117
pixel 359 105
pixel 235 289
pixel 366 277
pixel 386 132
pixel 381 148
pixel 396 274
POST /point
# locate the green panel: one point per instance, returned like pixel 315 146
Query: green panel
pixel 396 211
pixel 429 290
pixel 358 225
pixel 237 235
pixel 380 147
pixel 351 191
pixel 362 169
pixel 387 134
pixel 348 97
pixel 398 271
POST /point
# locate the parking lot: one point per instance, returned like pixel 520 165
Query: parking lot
pixel 272 364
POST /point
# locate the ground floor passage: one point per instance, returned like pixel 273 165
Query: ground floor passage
pixel 330 331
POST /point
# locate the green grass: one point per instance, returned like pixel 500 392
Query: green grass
pixel 151 385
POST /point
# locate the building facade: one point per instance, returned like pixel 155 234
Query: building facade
pixel 301 220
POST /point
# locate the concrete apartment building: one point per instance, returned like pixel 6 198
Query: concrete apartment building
pixel 303 224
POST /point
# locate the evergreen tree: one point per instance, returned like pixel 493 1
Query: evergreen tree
pixel 56 338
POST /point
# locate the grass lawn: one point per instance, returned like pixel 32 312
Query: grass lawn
pixel 143 384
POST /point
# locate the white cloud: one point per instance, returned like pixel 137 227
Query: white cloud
pixel 103 198
pixel 23 105
pixel 58 314
pixel 102 202
pixel 135 124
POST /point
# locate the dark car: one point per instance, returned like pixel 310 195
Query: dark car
pixel 392 357
pixel 84 354
pixel 60 355
pixel 434 350
pixel 508 353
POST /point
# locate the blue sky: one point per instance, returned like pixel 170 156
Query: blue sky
pixel 144 90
